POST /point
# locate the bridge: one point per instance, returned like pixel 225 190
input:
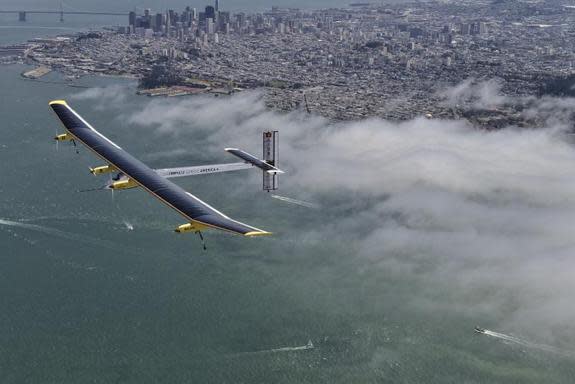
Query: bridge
pixel 23 14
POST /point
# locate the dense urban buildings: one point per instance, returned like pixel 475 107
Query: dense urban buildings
pixel 389 60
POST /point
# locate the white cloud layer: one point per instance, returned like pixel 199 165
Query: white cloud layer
pixel 104 96
pixel 481 221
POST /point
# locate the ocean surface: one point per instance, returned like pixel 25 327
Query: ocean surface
pixel 97 288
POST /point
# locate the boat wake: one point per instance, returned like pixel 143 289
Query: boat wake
pixel 528 344
pixel 306 347
pixel 129 226
pixel 309 345
pixel 301 203
pixel 58 233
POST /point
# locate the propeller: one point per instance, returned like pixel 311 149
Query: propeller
pixel 65 137
pixel 56 140
pixel 110 180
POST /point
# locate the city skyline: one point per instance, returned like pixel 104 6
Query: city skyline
pixel 304 58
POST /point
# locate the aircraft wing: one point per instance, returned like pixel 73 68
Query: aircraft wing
pixel 198 212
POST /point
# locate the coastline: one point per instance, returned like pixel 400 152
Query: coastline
pixel 388 71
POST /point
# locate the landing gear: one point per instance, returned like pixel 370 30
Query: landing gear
pixel 75 146
pixel 202 239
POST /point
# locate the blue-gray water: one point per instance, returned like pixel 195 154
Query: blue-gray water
pixel 84 299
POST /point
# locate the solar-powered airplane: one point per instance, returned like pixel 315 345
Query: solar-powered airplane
pixel 131 172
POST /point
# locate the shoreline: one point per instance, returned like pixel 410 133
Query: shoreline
pixel 395 67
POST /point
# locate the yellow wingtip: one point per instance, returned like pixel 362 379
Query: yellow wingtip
pixel 61 102
pixel 258 233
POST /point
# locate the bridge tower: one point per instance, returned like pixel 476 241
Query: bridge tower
pixel 61 11
pixel 22 16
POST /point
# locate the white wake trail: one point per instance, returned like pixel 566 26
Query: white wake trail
pixel 129 226
pixel 59 233
pixel 308 346
pixel 301 203
pixel 39 228
pixel 528 344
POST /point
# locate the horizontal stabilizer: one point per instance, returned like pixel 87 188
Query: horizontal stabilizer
pixel 261 164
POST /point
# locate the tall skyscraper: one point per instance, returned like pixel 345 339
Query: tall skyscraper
pixel 158 22
pixel 210 12
pixel 217 5
pixel 168 23
pixel 210 26
pixel 132 18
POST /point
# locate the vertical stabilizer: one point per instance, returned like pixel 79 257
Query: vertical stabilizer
pixel 270 156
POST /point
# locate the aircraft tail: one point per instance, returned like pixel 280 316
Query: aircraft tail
pixel 271 154
pixel 269 163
